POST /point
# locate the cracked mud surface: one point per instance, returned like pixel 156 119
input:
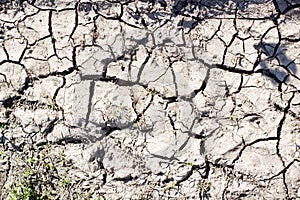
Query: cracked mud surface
pixel 153 99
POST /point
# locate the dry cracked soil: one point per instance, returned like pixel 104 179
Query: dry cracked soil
pixel 150 99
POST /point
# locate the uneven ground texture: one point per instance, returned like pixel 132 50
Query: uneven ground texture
pixel 150 99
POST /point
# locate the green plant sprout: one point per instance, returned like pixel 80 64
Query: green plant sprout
pixel 22 192
pixel 31 160
pixel 173 185
pixel 53 106
pixel 29 172
pixel 2 127
pixel 233 118
pixel 26 187
pixel 136 124
pixel 65 183
pixel 61 153
pixel 50 166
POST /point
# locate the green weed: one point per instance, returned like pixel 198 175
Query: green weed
pixel 2 127
pixel 65 183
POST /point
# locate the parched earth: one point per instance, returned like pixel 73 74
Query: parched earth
pixel 157 99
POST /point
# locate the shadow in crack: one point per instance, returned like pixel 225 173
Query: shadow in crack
pixel 209 8
pixel 276 64
pixel 207 5
pixel 85 7
pixel 5 140
pixel 200 10
pixel 195 10
pixel 286 5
